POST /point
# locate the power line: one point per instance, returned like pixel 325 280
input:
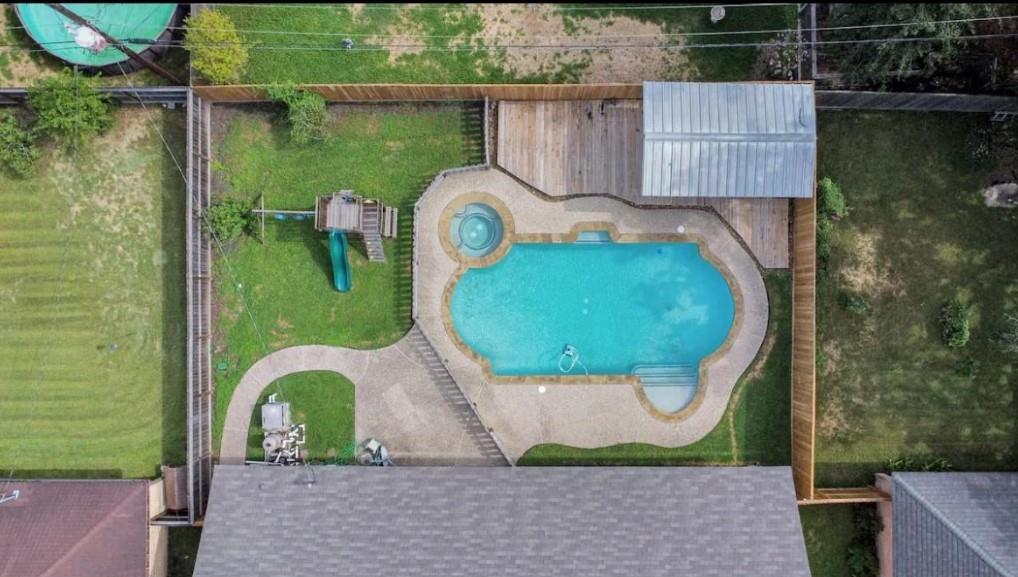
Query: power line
pixel 568 36
pixel 603 36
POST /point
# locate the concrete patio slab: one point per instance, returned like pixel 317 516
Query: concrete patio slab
pixel 581 415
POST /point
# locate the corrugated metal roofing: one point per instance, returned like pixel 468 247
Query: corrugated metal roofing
pixel 504 522
pixel 955 524
pixel 730 140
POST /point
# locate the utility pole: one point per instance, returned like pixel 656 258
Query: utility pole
pixel 117 44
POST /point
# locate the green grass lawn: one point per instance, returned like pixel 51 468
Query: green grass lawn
pixel 829 531
pixel 755 428
pixel 386 152
pixel 183 551
pixel 917 234
pixel 92 329
pixel 321 400
pixel 443 27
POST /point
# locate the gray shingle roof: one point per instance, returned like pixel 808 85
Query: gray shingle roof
pixel 491 522
pixel 955 524
pixel 737 140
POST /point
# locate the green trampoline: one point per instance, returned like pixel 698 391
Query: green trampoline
pixel 140 26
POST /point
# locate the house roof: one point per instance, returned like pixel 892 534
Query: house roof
pixel 490 522
pixel 956 524
pixel 739 140
pixel 74 529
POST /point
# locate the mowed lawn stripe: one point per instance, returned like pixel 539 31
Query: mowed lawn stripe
pixel 92 326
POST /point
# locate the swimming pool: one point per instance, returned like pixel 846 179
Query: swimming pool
pixel 653 310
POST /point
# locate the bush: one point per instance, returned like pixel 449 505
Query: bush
pixel 862 561
pixel 216 49
pixel 867 522
pixel 825 237
pixel 18 152
pixel 832 202
pixel 228 218
pixel 70 107
pixel 854 303
pixel 925 465
pixel 306 112
pixel 1007 337
pixel 954 320
pixel 966 367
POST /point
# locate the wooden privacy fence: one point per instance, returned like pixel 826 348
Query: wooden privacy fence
pixel 377 92
pixel 804 232
pixel 914 101
pixel 804 383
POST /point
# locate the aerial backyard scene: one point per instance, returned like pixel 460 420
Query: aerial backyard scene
pixel 509 289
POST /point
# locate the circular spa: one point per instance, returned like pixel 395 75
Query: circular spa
pixel 476 230
pixel 144 28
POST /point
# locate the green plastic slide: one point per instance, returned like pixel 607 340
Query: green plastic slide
pixel 340 262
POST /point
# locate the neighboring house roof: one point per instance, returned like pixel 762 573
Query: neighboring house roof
pixel 494 522
pixel 955 524
pixel 739 140
pixel 74 529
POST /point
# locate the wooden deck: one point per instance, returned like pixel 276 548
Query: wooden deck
pixel 578 147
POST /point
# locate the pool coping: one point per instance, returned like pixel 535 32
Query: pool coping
pixel 510 238
pixel 586 414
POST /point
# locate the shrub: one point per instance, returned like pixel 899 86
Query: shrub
pixel 1007 337
pixel 306 112
pixel 832 202
pixel 228 218
pixel 926 465
pixel 954 320
pixel 216 49
pixel 966 367
pixel 862 561
pixel 825 237
pixel 867 522
pixel 18 152
pixel 69 106
pixel 854 303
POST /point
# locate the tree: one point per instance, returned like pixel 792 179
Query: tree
pixel 216 49
pixel 18 152
pixel 306 112
pixel 228 218
pixel 70 107
pixel 889 59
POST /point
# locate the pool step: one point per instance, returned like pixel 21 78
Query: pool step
pixel 670 388
pixel 682 375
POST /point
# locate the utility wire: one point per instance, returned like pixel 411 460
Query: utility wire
pixel 606 36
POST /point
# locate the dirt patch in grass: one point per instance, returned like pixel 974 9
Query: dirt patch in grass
pixel 542 24
pixel 866 272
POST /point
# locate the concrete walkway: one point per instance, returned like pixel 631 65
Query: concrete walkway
pixel 403 397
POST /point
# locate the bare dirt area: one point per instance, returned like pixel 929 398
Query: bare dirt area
pixel 535 24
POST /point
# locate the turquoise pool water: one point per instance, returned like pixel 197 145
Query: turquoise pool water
pixel 476 230
pixel 652 309
pixel 137 24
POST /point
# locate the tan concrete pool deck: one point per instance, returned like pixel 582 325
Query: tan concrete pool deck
pixel 589 414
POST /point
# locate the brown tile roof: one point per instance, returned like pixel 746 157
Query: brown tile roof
pixel 74 529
